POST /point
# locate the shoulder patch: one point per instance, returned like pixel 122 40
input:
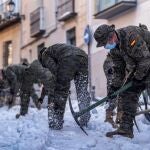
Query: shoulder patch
pixel 133 43
pixel 133 39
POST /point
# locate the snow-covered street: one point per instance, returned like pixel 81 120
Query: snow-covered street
pixel 32 133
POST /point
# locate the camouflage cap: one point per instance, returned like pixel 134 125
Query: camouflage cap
pixel 101 34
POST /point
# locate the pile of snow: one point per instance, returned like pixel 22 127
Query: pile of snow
pixel 32 133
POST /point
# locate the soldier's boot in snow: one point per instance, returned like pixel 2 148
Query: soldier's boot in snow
pixel 58 119
pixel 17 116
pixel 25 99
pixel 55 118
pixel 126 126
pixel 83 96
pixel 51 115
pixel 85 119
pixel 109 118
pixel 122 132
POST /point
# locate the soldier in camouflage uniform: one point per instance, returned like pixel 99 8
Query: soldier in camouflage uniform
pixel 33 74
pixel 114 78
pixel 129 45
pixel 22 77
pixel 66 62
pixel 33 93
pixel 13 75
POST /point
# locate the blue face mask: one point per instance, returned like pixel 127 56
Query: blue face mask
pixel 110 46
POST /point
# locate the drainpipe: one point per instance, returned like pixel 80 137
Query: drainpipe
pixel 89 20
pixel 21 30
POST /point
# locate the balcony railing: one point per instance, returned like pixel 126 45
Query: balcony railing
pixel 106 9
pixel 6 18
pixel 66 9
pixel 37 22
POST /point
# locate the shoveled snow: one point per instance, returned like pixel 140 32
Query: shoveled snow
pixel 32 133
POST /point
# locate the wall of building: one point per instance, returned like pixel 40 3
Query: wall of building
pixel 56 32
pixel 131 17
pixel 11 34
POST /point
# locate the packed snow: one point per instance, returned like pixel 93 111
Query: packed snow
pixel 32 133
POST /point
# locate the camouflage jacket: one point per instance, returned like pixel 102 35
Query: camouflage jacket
pixel 134 49
pixel 36 72
pixel 54 54
pixel 14 74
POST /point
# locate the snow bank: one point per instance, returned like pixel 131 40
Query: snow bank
pixel 31 133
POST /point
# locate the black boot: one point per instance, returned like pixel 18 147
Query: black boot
pixel 84 119
pixel 126 126
pixel 121 131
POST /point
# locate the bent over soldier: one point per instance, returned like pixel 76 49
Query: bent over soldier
pixel 33 74
pixel 133 44
pixel 67 63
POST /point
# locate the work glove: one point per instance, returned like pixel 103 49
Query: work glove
pixel 40 100
pixel 111 90
pixel 137 83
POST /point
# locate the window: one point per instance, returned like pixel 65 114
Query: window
pixel 37 27
pixel 42 45
pixel 7 53
pixel 108 8
pixel 106 3
pixel 65 9
pixel 71 36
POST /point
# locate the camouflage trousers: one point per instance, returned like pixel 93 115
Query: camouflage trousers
pixel 83 96
pixel 112 104
pixel 71 68
pixel 25 100
pixel 127 107
pixel 6 99
pixel 56 115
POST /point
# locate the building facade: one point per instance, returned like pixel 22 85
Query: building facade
pixel 46 22
pixel 10 23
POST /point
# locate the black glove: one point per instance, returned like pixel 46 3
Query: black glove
pixel 40 100
pixel 111 96
pixel 12 92
pixel 137 83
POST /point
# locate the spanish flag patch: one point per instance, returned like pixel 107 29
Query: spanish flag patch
pixel 132 43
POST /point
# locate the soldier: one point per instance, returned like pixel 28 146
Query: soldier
pixel 66 62
pixel 13 75
pixel 131 45
pixel 22 77
pixel 33 74
pixel 33 94
pixel 114 78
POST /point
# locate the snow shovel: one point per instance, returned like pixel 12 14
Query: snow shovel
pixel 76 115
